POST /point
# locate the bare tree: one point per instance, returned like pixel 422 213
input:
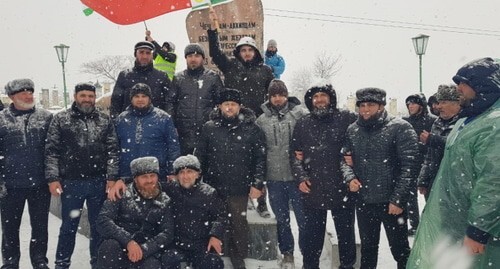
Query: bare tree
pixel 108 67
pixel 324 67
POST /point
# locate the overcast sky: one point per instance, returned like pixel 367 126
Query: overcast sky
pixel 371 55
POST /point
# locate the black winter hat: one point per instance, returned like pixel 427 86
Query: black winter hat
pixel 482 75
pixel 140 88
pixel 143 45
pixel 188 161
pixel 375 95
pixel 84 87
pixel 194 48
pixel 19 85
pixel 447 93
pixel 418 98
pixel 229 95
pixel 144 165
pixel 320 87
pixel 277 87
pixel 432 100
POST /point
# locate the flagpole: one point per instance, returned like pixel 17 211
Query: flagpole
pixel 145 25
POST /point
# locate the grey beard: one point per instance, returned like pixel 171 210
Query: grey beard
pixel 149 194
pixel 85 110
pixel 24 105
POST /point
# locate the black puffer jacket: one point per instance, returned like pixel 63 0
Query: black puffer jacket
pixel 193 96
pixel 384 161
pixel 232 157
pixel 157 80
pixel 198 215
pixel 320 139
pixel 149 222
pixel 251 79
pixel 22 145
pixel 81 146
pixel 435 152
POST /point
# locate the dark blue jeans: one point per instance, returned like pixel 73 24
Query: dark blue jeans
pixel 343 219
pixel 12 207
pixel 75 193
pixel 280 195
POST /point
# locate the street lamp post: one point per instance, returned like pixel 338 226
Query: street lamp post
pixel 62 55
pixel 420 45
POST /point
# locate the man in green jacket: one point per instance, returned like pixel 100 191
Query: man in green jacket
pixel 460 226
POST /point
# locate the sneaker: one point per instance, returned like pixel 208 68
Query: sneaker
pixel 263 211
pixel 287 262
pixel 41 266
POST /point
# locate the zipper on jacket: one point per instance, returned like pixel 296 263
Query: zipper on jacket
pixel 275 135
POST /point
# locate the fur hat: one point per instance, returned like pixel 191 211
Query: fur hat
pixel 144 165
pixel 84 87
pixel 277 87
pixel 19 85
pixel 143 45
pixel 375 95
pixel 188 161
pixel 194 48
pixel 229 95
pixel 272 43
pixel 140 88
pixel 418 98
pixel 447 93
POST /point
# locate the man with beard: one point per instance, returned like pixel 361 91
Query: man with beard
pixel 421 121
pixel 383 167
pixel 142 72
pixel 232 154
pixel 273 59
pixel 144 130
pixel 138 228
pixel 281 113
pixel 81 163
pixel 193 96
pixel 245 72
pixel 461 217
pixel 23 130
pixel 315 156
pixel 447 99
pixel 200 218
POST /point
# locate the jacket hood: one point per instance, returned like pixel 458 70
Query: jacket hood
pixel 258 59
pixel 323 87
pixel 483 76
pixel 246 116
pixel 420 99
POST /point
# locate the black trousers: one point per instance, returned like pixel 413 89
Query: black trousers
pixel 314 235
pixel 412 208
pixel 113 256
pixel 370 218
pixel 12 207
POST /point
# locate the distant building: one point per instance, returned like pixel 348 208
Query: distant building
pixel 98 89
pixel 106 87
pixel 392 108
pixel 45 100
pixel 351 103
pixel 55 98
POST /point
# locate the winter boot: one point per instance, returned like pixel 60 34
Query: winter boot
pixel 262 209
pixel 287 262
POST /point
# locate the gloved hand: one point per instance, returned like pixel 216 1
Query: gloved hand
pixel 3 190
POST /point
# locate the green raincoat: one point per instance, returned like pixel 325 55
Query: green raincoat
pixel 466 193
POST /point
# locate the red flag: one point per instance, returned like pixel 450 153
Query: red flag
pixel 133 11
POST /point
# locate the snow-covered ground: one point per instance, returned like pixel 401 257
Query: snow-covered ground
pixel 81 254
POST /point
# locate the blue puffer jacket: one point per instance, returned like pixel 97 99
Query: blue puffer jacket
pixel 146 133
pixel 276 62
pixel 22 146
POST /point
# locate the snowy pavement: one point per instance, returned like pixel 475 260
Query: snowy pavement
pixel 81 254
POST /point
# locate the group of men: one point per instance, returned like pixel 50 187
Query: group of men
pixel 167 176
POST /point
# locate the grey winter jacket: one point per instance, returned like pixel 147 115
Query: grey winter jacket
pixel 81 146
pixel 384 160
pixel 437 140
pixel 149 222
pixel 278 127
pixel 22 147
pixel 193 96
